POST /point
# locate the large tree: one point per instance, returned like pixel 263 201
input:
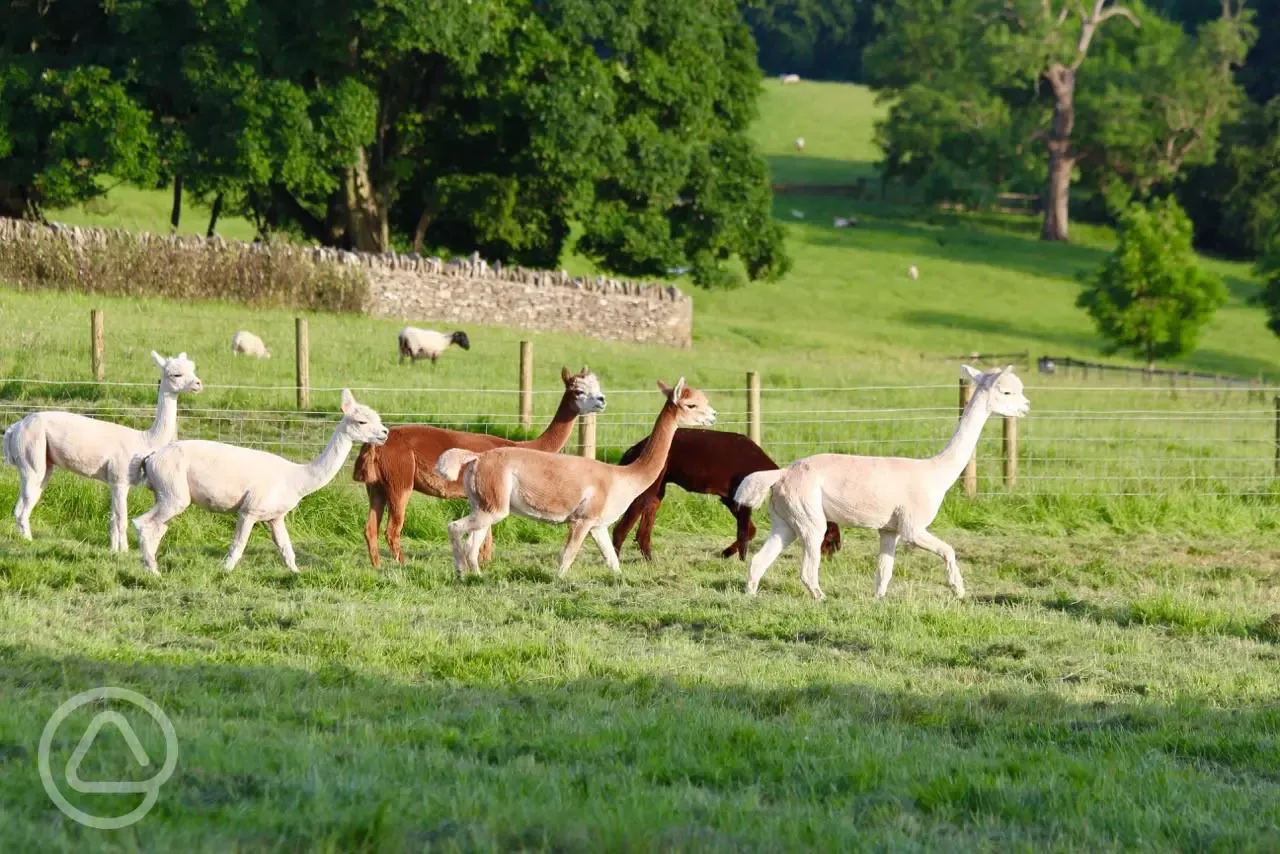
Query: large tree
pixel 1122 99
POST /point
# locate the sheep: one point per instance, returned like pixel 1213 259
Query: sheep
pixel 255 485
pixel 799 143
pixel 789 78
pixel 249 344
pixel 914 272
pixel 91 448
pixel 845 222
pixel 418 344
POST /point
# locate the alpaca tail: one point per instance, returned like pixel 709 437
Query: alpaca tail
pixel 453 461
pixel 138 468
pixel 755 488
pixel 10 444
pixel 367 469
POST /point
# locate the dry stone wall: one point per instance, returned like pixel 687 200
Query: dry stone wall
pixel 457 291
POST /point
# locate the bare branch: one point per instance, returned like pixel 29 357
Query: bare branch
pixel 1123 13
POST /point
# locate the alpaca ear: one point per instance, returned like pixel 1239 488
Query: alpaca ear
pixel 678 391
pixel 348 402
pixel 159 359
pixel 565 376
pixel 1008 369
pixel 182 356
pixel 969 373
pixel 665 389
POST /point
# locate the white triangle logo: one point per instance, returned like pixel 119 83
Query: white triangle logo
pixel 86 742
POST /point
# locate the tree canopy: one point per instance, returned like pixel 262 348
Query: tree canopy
pixel 369 124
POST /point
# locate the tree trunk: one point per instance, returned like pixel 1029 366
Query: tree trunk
pixel 420 232
pixel 15 201
pixel 1062 155
pixel 213 215
pixel 367 226
pixel 176 214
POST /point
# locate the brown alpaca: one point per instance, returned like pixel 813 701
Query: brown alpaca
pixel 711 462
pixel 587 494
pixel 407 461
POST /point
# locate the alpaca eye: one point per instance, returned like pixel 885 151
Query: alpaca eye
pixel 362 423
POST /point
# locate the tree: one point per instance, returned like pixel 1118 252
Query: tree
pixel 1125 104
pixel 817 39
pixel 1151 297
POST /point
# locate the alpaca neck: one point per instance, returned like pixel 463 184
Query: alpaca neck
pixel 165 427
pixel 558 431
pixel 956 455
pixel 649 464
pixel 322 469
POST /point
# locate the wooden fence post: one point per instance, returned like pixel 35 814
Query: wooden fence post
pixel 971 467
pixel 587 436
pixel 97 334
pixel 1010 452
pixel 303 358
pixel 753 406
pixel 526 385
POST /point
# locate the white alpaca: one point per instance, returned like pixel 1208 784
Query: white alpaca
pixel 898 496
pixel 259 486
pixel 418 344
pixel 249 344
pixel 43 441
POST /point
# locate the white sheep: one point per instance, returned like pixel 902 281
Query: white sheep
pixel 428 344
pixel 799 143
pixel 789 78
pixel 96 449
pixel 258 486
pixel 913 271
pixel 249 344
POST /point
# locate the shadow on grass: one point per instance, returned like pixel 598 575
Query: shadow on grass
pixel 800 168
pixel 467 757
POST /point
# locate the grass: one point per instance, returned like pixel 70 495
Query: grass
pixel 1110 684
pixel 837 123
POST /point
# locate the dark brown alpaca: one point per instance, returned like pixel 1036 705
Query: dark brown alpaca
pixel 711 462
pixel 407 462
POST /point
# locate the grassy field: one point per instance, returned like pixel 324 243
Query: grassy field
pixel 1110 684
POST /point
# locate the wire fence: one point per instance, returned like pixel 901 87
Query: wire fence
pixel 1119 440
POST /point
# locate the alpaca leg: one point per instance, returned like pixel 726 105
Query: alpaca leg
pixel 601 535
pixel 120 516
pixel 781 534
pixel 746 529
pixel 152 525
pixel 398 500
pixel 884 569
pixel 280 536
pixel 244 527
pixel 831 540
pixel 475 546
pixel 810 563
pixel 377 506
pixel 628 521
pixel 644 536
pixel 578 531
pixel 477 521
pixel 31 483
pixel 486 549
pixel 929 542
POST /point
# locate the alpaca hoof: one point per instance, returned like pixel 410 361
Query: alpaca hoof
pixel 818 595
pixel 751 591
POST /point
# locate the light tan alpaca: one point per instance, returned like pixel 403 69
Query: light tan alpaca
pixel 587 494
pixel 898 496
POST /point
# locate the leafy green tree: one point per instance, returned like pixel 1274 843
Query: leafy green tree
pixel 817 39
pixel 1122 102
pixel 1151 297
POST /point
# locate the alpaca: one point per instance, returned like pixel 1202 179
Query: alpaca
pixel 256 485
pixel 711 462
pixel 587 494
pixel 249 344
pixel 407 461
pixel 96 449
pixel 899 497
pixel 418 344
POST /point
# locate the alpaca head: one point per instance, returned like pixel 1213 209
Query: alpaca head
pixel 692 407
pixel 177 374
pixel 588 397
pixel 360 423
pixel 1004 390
pixel 460 338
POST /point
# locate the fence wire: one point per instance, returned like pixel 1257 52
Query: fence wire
pixel 1118 440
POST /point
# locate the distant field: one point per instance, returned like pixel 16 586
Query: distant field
pixel 836 121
